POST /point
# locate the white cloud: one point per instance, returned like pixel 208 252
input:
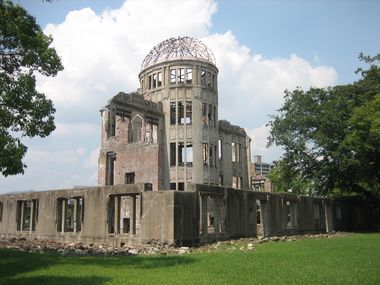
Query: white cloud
pixel 251 86
pixel 259 142
pixel 102 54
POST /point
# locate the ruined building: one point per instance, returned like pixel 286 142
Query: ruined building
pixel 170 171
pixel 168 134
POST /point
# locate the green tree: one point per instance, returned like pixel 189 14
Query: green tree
pixel 331 136
pixel 24 112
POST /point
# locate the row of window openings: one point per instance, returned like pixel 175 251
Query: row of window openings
pixel 181 113
pixel 209 117
pixel 181 75
pixel 183 153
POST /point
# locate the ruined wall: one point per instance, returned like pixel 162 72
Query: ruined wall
pixel 127 214
pixel 132 144
pixel 235 158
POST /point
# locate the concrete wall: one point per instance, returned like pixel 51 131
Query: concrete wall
pixel 203 213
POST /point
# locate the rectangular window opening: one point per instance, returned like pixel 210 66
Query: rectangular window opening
pixel 173 75
pixel 181 75
pixel 203 77
pixel 189 112
pixel 173 107
pixel 159 79
pixel 181 186
pixel 204 114
pixel 154 80
pixel 181 154
pixel 172 154
pixel 208 79
pixel 205 154
pixel 130 178
pixel 149 81
pixel 220 148
pixel 172 186
pixel 211 156
pixel 110 168
pixel 181 115
pixel 209 115
pixel 189 154
pixel 189 75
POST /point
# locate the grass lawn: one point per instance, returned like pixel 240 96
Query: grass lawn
pixel 351 259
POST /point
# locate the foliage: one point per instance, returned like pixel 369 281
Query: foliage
pixel 331 136
pixel 353 259
pixel 286 179
pixel 24 112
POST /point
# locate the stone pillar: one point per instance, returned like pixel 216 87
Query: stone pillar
pixel 117 215
pixel 204 215
pixel 265 215
pixel 31 216
pixel 133 214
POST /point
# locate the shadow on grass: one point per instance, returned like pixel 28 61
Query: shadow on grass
pixel 14 263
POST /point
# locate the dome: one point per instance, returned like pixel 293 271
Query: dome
pixel 178 48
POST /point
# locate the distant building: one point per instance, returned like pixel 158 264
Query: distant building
pixel 259 172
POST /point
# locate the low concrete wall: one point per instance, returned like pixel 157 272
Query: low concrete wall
pixel 126 214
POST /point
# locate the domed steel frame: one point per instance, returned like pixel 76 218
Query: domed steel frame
pixel 178 48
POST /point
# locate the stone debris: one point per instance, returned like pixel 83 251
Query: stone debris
pixel 151 248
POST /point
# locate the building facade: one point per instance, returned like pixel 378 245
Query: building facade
pixel 168 133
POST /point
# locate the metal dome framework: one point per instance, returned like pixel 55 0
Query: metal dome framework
pixel 178 48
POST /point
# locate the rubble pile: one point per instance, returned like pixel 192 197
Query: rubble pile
pixel 152 248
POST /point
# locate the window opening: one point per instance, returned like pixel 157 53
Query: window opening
pixel 130 178
pixel 203 77
pixel 205 154
pixel 208 79
pixel 181 186
pixel 221 182
pixel 189 75
pixel 173 75
pixel 189 112
pixel 211 156
pixel 150 81
pixel 213 81
pixel 181 154
pixel 220 148
pixel 159 79
pixel 111 122
pixel 189 154
pixel 204 113
pixel 233 146
pixel 172 154
pixel 209 115
pixel 181 118
pixel 172 186
pixel 172 112
pixel 110 168
pixel 181 75
pixel 154 80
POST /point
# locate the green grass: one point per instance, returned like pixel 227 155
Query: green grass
pixel 352 259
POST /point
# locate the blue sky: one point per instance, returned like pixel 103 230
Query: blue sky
pixel 261 49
